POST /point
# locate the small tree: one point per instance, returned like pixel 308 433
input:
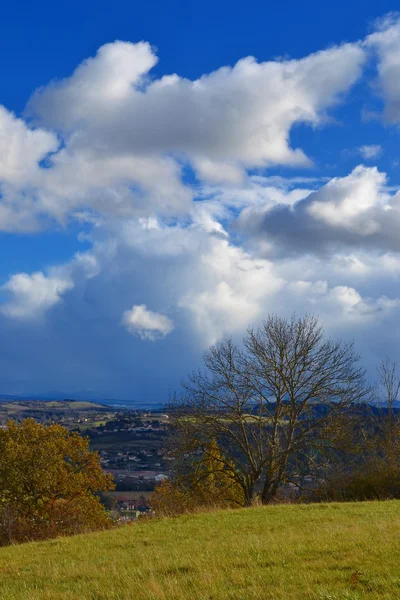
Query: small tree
pixel 48 482
pixel 170 499
pixel 212 480
pixel 208 482
pixel 272 404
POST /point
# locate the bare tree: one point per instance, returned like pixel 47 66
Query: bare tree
pixel 272 403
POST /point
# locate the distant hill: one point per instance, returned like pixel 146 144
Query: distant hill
pixel 283 552
pixel 10 409
pixel 34 403
pixel 57 396
pixel 49 398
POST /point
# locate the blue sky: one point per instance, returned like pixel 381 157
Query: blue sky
pixel 160 190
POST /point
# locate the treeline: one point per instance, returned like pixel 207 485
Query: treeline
pixel 288 414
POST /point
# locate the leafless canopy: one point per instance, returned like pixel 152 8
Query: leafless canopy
pixel 271 403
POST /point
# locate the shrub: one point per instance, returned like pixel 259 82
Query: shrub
pixel 375 479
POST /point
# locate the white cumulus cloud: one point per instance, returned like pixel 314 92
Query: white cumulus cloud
pixel 351 211
pixel 32 294
pixel 145 323
pixel 21 149
pixel 232 118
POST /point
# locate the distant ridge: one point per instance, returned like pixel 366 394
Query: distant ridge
pixel 107 402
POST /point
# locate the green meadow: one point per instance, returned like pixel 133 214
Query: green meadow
pixel 283 552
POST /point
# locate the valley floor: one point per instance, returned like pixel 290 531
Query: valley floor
pixel 287 552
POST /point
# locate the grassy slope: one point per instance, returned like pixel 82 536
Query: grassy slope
pixel 323 552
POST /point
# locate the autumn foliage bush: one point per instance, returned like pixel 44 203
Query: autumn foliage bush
pixel 48 483
pixel 209 483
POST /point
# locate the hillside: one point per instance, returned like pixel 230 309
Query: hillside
pixel 18 406
pixel 67 412
pixel 321 552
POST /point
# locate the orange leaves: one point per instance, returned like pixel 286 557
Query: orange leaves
pixel 209 482
pixel 48 478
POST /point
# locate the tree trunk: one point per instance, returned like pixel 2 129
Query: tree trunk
pixel 273 481
pixel 269 490
pixel 248 495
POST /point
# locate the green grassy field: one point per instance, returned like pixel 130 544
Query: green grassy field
pixel 322 552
